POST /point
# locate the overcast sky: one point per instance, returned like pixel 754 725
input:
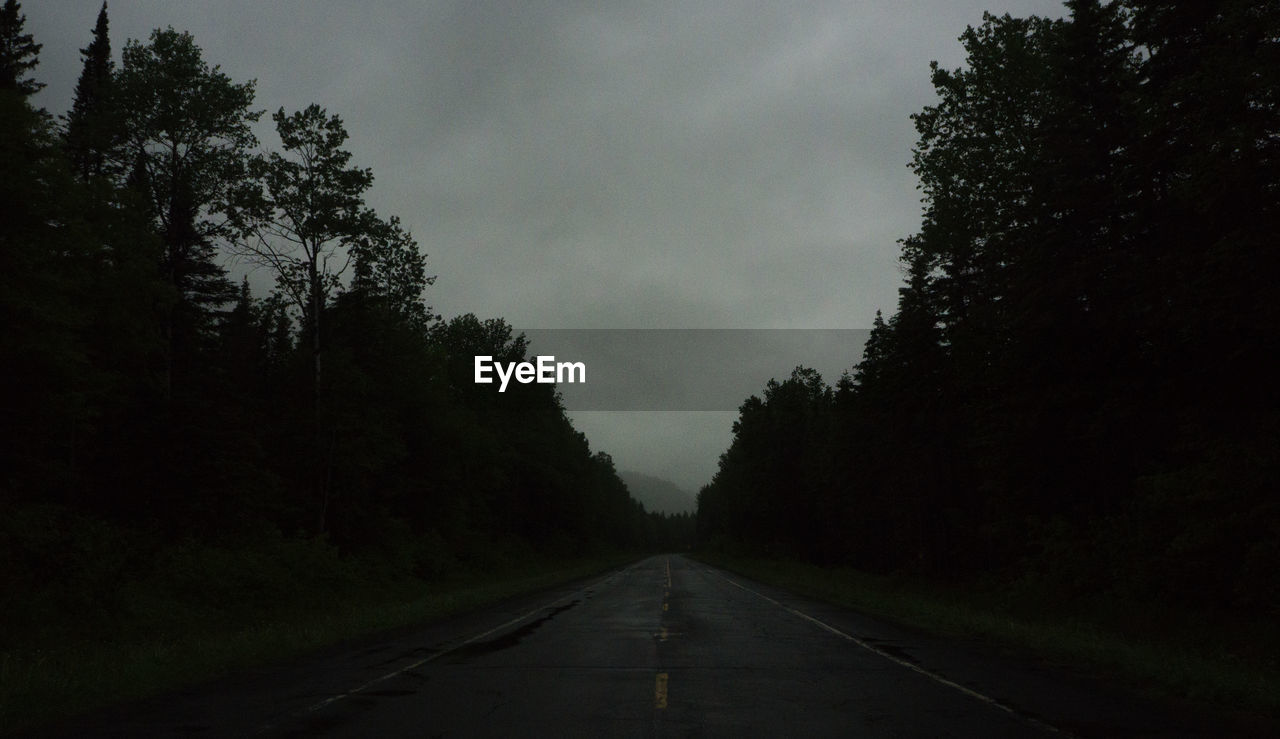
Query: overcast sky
pixel 605 164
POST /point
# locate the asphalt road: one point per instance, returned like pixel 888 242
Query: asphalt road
pixel 665 647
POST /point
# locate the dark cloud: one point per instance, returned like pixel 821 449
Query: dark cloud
pixel 607 165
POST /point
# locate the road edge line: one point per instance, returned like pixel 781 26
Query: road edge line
pixel 898 660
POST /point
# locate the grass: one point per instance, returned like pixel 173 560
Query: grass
pixel 61 677
pixel 1230 666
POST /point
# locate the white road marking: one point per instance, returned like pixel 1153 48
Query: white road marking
pixel 898 660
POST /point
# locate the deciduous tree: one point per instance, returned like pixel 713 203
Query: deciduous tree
pixel 188 134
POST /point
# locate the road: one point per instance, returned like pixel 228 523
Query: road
pixel 665 647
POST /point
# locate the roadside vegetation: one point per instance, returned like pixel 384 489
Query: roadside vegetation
pixel 207 612
pixel 195 477
pixel 1220 661
pixel 1068 433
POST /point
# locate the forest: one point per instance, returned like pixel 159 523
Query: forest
pixel 166 431
pixel 1076 392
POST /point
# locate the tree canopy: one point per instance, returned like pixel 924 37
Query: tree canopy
pixel 155 408
pixel 19 53
pixel 1076 383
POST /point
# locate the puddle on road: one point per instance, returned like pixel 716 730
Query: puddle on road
pixel 342 712
pixel 505 641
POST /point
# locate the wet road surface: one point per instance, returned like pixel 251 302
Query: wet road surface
pixel 665 647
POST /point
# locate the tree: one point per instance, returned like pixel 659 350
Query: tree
pixel 303 216
pixel 391 270
pixel 187 132
pixel 770 490
pixel 1076 386
pixel 301 212
pixel 19 53
pixel 92 126
pixel 44 260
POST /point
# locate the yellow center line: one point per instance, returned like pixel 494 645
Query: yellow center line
pixel 660 691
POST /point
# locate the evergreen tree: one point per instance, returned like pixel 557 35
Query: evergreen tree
pixel 1077 382
pixel 44 261
pixel 92 126
pixel 19 53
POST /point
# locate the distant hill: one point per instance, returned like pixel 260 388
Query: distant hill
pixel 658 494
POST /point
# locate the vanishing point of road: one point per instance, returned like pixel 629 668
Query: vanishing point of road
pixel 664 647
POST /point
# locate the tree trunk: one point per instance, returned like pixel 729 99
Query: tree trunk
pixel 320 479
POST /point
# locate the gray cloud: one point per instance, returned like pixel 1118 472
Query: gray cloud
pixel 605 165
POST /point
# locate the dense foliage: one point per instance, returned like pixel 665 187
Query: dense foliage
pixel 1078 384
pixel 152 409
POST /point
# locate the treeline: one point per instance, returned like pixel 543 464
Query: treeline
pixel 1078 386
pixel 153 406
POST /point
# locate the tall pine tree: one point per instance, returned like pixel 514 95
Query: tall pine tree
pixel 19 53
pixel 92 128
